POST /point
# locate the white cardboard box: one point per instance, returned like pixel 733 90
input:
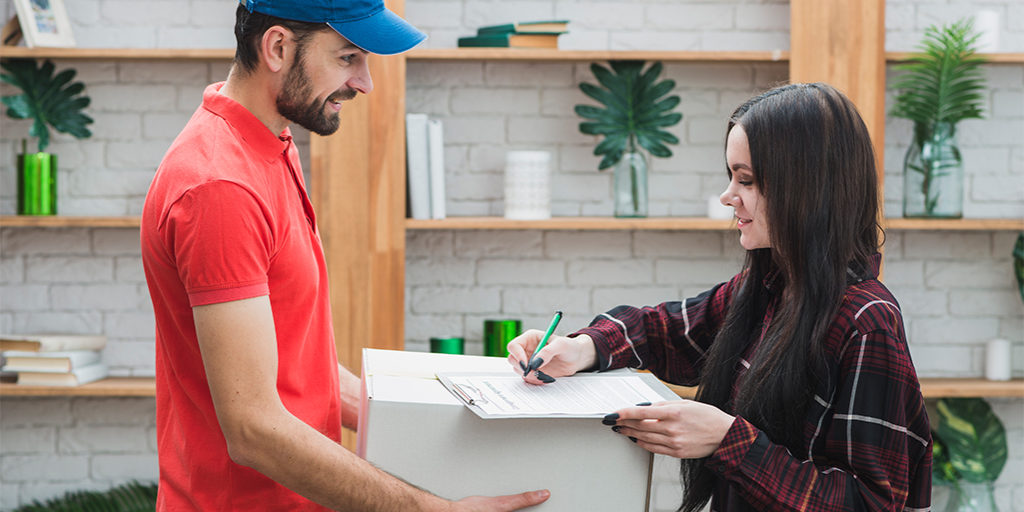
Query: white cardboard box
pixel 413 428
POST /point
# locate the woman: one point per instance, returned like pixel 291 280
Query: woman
pixel 808 398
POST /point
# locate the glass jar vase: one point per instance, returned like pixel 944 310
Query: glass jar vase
pixel 933 173
pixel 630 185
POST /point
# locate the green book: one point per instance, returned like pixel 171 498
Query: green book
pixel 532 27
pixel 511 40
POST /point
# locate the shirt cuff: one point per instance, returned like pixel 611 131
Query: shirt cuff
pixel 739 441
pixel 604 358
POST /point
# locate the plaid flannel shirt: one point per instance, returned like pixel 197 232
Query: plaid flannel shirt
pixel 867 441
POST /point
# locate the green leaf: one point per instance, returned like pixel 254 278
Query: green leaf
pixel 974 438
pixel 51 101
pixel 634 111
pixel 944 82
pixel 130 497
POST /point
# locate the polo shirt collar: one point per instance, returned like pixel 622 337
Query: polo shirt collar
pixel 256 135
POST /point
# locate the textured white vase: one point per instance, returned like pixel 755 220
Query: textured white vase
pixel 527 185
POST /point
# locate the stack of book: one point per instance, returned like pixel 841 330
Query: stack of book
pixel 52 359
pixel 424 146
pixel 527 34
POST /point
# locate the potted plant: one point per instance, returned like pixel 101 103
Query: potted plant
pixel 634 115
pixel 50 101
pixel 129 497
pixel 940 88
pixel 969 451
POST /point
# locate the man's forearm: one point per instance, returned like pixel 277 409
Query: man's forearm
pixel 351 397
pixel 297 456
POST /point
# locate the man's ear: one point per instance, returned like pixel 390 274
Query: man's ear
pixel 276 47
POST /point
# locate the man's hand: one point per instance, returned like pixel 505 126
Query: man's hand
pixel 501 503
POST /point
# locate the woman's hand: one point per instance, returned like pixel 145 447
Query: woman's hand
pixel 561 356
pixel 684 429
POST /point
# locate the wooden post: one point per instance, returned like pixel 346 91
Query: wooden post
pixel 842 43
pixel 358 190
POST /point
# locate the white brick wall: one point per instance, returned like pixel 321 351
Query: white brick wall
pixel 954 288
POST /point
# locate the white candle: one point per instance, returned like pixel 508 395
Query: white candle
pixel 717 210
pixel 997 360
pixel 986 25
pixel 527 185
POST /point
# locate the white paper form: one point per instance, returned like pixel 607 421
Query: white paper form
pixel 581 396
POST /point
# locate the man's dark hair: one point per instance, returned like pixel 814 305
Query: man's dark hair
pixel 250 27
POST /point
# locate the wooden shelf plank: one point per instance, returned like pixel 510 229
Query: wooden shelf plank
pixel 145 386
pixel 956 224
pixel 69 221
pixel 555 223
pixel 688 224
pixel 113 386
pixel 585 223
pixel 992 58
pixel 422 54
pixel 939 388
pixel 118 53
pixel 594 55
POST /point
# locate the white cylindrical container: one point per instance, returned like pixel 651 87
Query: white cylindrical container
pixel 997 360
pixel 717 210
pixel 527 185
pixel 986 25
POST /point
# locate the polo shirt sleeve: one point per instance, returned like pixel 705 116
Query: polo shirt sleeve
pixel 222 241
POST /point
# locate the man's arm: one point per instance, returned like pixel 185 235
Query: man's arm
pixel 239 350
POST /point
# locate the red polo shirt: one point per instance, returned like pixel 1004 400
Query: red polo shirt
pixel 226 218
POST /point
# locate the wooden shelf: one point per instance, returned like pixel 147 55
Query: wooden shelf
pixel 554 223
pixel 113 386
pixel 586 223
pixel 144 386
pixel 458 54
pixel 992 58
pixel 595 55
pixel 423 54
pixel 955 224
pixel 117 53
pixel 939 388
pixel 58 221
pixel 687 224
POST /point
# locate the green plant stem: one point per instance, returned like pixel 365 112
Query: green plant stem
pixel 633 177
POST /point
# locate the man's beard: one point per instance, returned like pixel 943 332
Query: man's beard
pixel 310 116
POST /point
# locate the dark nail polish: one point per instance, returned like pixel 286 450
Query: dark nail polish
pixel 631 438
pixel 545 378
pixel 607 421
pixel 617 429
pixel 610 419
pixel 642 404
pixel 537 362
pixel 522 366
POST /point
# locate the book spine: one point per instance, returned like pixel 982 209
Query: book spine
pixel 435 136
pixel 417 162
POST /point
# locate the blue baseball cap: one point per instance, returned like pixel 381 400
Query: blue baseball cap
pixel 366 23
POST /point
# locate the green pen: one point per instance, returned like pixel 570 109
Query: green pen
pixel 543 341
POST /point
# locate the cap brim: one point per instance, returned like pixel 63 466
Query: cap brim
pixel 383 33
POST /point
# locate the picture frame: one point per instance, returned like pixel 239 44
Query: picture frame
pixel 44 23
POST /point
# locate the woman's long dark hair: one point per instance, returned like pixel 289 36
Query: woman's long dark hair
pixel 814 164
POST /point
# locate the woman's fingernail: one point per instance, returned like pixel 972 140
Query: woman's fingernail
pixel 641 404
pixel 545 378
pixel 522 366
pixel 631 438
pixel 617 429
pixel 536 363
pixel 610 419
